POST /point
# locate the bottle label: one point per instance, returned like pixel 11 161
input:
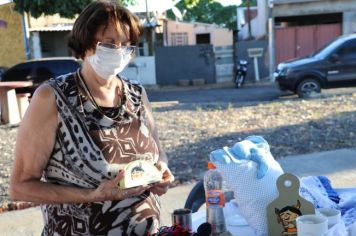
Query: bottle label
pixel 215 198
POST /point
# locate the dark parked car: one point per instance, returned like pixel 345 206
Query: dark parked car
pixel 39 70
pixel 2 70
pixel 332 66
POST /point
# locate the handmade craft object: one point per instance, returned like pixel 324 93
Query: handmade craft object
pixel 139 173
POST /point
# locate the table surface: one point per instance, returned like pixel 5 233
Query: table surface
pixel 230 210
pixel 347 196
pixel 16 84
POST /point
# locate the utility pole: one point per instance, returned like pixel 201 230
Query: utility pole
pixel 150 32
pixel 271 42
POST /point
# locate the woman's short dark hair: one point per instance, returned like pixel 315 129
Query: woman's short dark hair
pixel 98 14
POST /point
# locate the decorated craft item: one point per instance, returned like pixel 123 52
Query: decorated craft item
pixel 284 210
pixel 139 173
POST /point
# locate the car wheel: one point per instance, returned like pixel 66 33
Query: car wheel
pixel 309 88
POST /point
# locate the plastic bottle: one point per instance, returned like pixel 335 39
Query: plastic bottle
pixel 215 200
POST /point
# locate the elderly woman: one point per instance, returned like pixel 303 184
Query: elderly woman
pixel 82 128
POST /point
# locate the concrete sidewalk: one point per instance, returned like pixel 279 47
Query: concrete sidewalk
pixel 338 165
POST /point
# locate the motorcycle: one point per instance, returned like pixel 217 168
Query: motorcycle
pixel 240 74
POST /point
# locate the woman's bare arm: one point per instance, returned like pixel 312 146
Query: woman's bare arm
pixel 162 164
pixel 152 126
pixel 34 144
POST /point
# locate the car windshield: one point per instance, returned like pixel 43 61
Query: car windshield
pixel 328 49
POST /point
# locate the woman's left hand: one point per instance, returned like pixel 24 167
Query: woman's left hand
pixel 167 179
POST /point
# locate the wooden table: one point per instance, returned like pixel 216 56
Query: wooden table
pixel 9 107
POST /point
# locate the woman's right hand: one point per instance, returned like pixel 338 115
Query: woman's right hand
pixel 109 190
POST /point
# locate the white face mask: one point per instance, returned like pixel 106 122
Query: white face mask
pixel 110 59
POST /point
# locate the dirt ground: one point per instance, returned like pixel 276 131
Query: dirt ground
pixel 189 132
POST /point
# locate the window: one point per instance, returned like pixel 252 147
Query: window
pixel 142 49
pixel 179 39
pixel 348 51
pixel 203 38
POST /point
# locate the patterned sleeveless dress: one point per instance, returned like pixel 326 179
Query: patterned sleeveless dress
pixel 91 147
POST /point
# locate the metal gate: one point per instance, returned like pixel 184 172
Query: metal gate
pixel 300 41
pixel 176 63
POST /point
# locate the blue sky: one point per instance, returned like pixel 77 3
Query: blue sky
pixel 4 1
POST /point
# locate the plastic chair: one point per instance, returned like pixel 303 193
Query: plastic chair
pixel 196 197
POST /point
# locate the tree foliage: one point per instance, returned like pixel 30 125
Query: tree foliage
pixel 207 11
pixel 190 3
pixel 253 3
pixel 65 8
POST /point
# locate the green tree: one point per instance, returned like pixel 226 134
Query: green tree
pixel 65 8
pixel 244 3
pixel 207 11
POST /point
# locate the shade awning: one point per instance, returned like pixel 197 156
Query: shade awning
pixel 52 28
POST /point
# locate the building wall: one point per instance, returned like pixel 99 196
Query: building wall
pixel 224 63
pixel 299 7
pixel 54 44
pixel 179 27
pixel 242 54
pixel 349 23
pixel 53 20
pixel 222 37
pixel 294 8
pixel 188 63
pixel 12 50
pixel 258 23
pixel 218 36
pixel 256 30
pixel 142 69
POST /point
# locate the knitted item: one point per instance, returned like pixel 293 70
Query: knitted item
pixel 251 172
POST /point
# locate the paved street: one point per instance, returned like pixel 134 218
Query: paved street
pixel 205 95
pixel 249 93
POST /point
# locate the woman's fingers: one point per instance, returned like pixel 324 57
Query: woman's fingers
pixel 120 194
pixel 109 190
pixel 126 193
pixel 167 175
pixel 167 178
pixel 166 172
pixel 119 177
pixel 138 190
pixel 160 188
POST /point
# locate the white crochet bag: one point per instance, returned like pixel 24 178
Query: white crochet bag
pixel 251 172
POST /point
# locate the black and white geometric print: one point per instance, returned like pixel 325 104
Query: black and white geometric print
pixel 91 147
